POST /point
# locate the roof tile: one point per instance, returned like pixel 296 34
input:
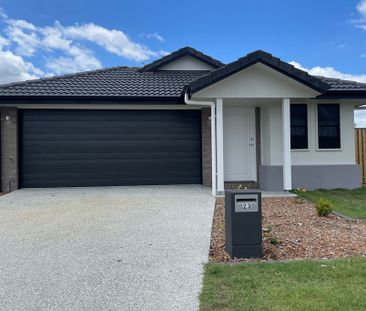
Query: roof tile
pixel 122 82
pixel 343 85
pixel 112 82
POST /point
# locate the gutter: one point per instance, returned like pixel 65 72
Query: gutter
pixel 213 135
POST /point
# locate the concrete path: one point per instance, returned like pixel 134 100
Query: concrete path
pixel 108 248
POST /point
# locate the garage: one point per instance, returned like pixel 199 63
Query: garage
pixel 71 148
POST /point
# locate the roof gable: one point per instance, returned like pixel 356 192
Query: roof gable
pixel 181 53
pixel 187 63
pixel 257 81
pixel 254 58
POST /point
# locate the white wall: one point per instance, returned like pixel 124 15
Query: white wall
pixel 260 85
pixel 271 133
pixel 186 63
pixel 257 81
pixel 265 122
pixel 271 136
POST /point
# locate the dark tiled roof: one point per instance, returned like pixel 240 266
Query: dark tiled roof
pixel 186 51
pixel 251 59
pixel 112 82
pixel 343 85
pixel 132 83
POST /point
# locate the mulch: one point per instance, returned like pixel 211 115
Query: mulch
pixel 292 230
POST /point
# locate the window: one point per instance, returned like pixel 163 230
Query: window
pixel 299 126
pixel 329 136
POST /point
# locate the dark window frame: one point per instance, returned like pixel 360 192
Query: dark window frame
pixel 324 142
pixel 305 127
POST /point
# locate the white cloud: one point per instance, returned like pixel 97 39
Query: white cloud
pixel 360 116
pixel 30 38
pixel 155 36
pixel 114 41
pixel 14 68
pixel 164 53
pixel 3 42
pixel 341 46
pixel 24 35
pixel 53 38
pixel 361 9
pixel 330 72
pixel 2 14
pixel 63 48
pixel 22 24
pixel 79 60
pixel 76 59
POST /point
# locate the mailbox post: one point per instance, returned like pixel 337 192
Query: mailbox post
pixel 243 223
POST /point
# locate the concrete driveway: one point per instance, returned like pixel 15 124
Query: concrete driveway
pixel 107 248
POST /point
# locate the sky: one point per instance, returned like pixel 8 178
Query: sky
pixel 40 38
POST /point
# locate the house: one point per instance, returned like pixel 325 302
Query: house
pixel 183 119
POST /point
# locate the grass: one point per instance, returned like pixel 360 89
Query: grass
pixel 298 285
pixel 351 203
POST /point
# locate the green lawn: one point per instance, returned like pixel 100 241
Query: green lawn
pixel 350 203
pixel 298 285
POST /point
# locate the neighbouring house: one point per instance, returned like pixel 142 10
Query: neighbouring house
pixel 183 119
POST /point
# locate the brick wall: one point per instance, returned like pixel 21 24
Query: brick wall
pixel 9 149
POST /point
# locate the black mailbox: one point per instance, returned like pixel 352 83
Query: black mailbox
pixel 243 223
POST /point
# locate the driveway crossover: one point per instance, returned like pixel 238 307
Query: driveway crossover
pixel 105 248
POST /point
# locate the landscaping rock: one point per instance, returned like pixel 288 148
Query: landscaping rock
pixel 300 233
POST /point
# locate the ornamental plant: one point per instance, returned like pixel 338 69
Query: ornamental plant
pixel 323 207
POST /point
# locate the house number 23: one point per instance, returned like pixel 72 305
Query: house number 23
pixel 246 205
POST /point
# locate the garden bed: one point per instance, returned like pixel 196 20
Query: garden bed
pixel 349 203
pixel 298 231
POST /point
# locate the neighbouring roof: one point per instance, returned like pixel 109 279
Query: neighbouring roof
pixel 339 88
pixel 343 85
pixel 186 51
pixel 149 83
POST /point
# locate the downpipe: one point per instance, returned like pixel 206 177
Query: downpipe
pixel 213 136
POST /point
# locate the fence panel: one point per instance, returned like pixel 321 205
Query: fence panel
pixel 360 138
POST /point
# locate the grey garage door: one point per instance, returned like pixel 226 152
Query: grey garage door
pixel 67 148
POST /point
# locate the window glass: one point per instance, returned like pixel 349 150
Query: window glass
pixel 299 126
pixel 329 126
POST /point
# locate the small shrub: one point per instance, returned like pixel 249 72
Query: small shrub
pixel 274 240
pixel 323 207
pixel 267 231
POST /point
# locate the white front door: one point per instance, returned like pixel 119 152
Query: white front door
pixel 239 144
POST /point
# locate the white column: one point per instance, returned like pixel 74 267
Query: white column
pixel 220 144
pixel 286 139
pixel 213 148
